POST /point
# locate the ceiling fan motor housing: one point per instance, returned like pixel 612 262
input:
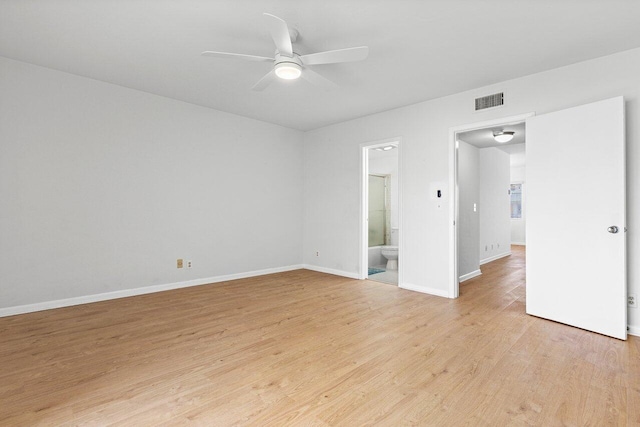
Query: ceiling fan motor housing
pixel 283 58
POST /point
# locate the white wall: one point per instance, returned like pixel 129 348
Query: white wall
pixel 468 218
pixel 331 161
pixel 518 226
pixel 495 218
pixel 331 203
pixel 104 187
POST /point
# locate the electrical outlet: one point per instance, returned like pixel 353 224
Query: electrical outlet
pixel 485 248
pixel 317 253
pixel 179 263
pixel 632 301
pixel 189 264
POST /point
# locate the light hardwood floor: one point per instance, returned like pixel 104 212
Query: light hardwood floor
pixel 306 348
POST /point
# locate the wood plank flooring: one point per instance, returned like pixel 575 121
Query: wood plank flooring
pixel 306 348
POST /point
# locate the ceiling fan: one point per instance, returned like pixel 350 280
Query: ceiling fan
pixel 290 65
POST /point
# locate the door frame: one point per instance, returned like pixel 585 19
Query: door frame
pixel 364 204
pixel 454 284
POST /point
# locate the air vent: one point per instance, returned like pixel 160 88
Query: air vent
pixel 490 101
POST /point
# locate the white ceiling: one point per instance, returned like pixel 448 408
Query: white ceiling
pixel 378 154
pixel 483 138
pixel 419 49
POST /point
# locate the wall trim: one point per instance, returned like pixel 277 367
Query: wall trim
pixel 495 257
pixel 86 299
pixel 633 330
pixel 331 271
pixel 424 290
pixel 519 243
pixel 470 276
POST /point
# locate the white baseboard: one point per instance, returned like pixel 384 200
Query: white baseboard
pixel 331 271
pixel 469 276
pixel 519 243
pixel 634 330
pixel 495 257
pixel 424 290
pixel 67 302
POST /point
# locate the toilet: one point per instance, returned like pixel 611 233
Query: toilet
pixel 390 252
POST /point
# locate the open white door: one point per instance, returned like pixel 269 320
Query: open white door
pixel 576 244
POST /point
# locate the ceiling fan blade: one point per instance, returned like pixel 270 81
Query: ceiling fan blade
pixel 265 81
pixel 333 56
pixel 280 34
pixel 318 80
pixel 237 56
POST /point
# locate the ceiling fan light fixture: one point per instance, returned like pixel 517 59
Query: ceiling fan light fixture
pixel 503 136
pixel 287 64
pixel 288 70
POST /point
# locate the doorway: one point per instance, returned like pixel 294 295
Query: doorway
pixel 380 219
pixel 482 169
pixel 576 258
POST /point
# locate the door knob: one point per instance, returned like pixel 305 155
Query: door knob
pixel 613 229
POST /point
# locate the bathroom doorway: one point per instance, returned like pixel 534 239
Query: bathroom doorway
pixel 380 219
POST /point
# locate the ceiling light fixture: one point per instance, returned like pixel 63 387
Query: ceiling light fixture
pixel 288 70
pixel 387 148
pixel 503 136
